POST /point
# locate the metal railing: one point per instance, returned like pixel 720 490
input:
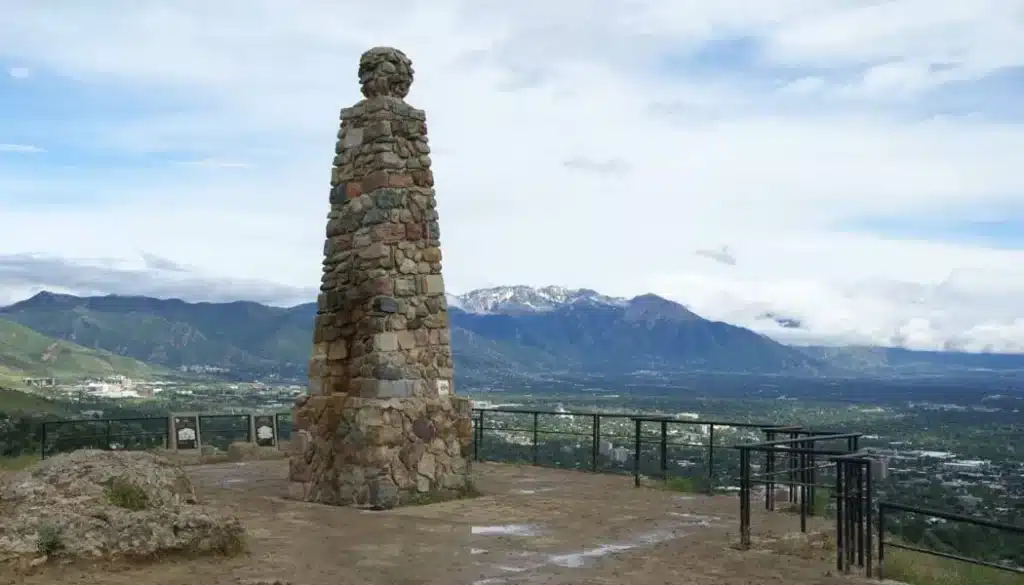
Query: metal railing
pixel 138 433
pixel 886 506
pixel 801 471
pixel 590 431
pixel 805 463
pixel 854 504
pixel 132 433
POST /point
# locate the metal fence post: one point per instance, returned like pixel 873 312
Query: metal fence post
pixel 744 498
pixel 860 514
pixel 881 540
pixel 769 473
pixel 664 450
pixel 804 446
pixel 840 510
pixel 110 445
pixel 42 442
pixel 535 423
pixel 636 454
pixel 595 446
pixel 868 545
pixel 478 444
pixel 711 459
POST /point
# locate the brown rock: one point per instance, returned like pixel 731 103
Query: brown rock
pixel 423 429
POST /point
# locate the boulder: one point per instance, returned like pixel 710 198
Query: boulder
pixel 109 504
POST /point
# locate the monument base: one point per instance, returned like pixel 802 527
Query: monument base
pixel 353 451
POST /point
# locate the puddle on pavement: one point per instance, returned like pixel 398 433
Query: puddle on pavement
pixel 696 519
pixel 579 559
pixel 532 491
pixel 520 563
pixel 506 530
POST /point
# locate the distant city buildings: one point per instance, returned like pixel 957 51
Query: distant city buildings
pixel 40 382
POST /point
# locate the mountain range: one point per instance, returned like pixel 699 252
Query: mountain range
pixel 25 353
pixel 496 332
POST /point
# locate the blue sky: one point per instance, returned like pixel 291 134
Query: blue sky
pixel 1004 231
pixel 854 158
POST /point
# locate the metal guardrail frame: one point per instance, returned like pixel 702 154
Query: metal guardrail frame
pixel 480 427
pixel 107 438
pixel 884 506
pixel 801 469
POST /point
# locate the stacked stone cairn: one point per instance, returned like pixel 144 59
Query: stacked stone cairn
pixel 380 425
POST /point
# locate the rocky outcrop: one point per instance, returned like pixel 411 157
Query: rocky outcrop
pixel 108 504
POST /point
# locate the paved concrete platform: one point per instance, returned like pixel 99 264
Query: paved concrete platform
pixel 533 526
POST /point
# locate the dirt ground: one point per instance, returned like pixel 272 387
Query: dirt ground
pixel 533 526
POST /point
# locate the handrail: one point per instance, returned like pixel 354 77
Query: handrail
pixel 883 506
pixel 816 437
pixel 480 416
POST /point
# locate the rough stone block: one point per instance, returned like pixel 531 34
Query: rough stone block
pixel 317 385
pixel 433 284
pixel 395 388
pixel 383 493
pixel 353 138
pixel 405 286
pixel 385 341
pixel 338 350
pixel 385 304
pixel 406 339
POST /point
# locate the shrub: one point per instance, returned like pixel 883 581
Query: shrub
pixel 124 494
pixel 48 540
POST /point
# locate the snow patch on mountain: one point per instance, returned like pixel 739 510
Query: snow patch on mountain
pixel 526 299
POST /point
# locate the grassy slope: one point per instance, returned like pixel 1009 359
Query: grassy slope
pixel 13 401
pixel 919 569
pixel 25 353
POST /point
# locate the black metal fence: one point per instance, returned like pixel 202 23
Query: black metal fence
pixel 818 470
pixel 138 433
pixel 854 497
pixel 885 510
pixel 806 464
pixel 59 436
pixel 661 447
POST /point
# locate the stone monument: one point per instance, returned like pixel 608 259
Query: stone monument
pixel 381 422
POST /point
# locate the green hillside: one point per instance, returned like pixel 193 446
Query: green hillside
pixel 25 353
pixel 16 402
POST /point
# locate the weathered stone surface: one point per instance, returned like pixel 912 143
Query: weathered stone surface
pixel 107 504
pixel 417 444
pixel 381 416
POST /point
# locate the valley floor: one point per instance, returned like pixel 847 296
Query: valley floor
pixel 532 526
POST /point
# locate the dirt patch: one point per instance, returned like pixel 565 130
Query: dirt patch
pixel 531 526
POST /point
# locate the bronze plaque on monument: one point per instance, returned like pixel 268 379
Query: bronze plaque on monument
pixel 265 429
pixel 186 432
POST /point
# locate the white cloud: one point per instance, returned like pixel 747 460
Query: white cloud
pixel 19 72
pixel 688 160
pixel 20 148
pixel 214 164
